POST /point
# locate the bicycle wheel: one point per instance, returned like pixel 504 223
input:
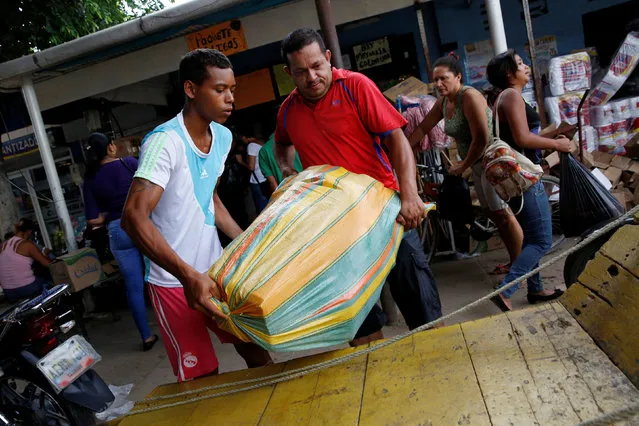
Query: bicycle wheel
pixel 429 234
pixel 551 186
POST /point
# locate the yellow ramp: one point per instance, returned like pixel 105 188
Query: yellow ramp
pixel 536 366
pixel 533 366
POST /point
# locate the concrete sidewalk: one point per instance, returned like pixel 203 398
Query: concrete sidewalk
pixel 459 281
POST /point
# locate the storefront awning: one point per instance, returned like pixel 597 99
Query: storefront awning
pixel 125 38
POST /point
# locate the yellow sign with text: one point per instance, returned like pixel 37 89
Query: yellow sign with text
pixel 227 37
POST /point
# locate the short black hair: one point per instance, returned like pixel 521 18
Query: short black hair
pixel 194 65
pixel 500 67
pixel 26 224
pixel 451 62
pixel 299 39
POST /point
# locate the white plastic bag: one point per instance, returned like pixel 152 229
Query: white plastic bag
pixel 120 405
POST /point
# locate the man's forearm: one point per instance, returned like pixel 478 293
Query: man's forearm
pixel 272 183
pixel 415 137
pixel 284 156
pixel 403 161
pixel 223 219
pixel 152 244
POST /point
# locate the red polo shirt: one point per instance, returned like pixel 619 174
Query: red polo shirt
pixel 345 128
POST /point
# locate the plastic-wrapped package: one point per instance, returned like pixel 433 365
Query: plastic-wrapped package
pixel 600 115
pixel 621 67
pixel 620 135
pixel 633 125
pixel 606 137
pixel 436 138
pixel 308 270
pixel 605 89
pixel 620 110
pixel 564 108
pixel 589 138
pixel 569 73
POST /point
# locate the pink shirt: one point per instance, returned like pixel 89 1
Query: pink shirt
pixel 15 269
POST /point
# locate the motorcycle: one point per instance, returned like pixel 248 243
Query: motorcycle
pixel 45 370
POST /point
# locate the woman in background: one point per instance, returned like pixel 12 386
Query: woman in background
pixel 468 119
pixel 518 126
pixel 106 186
pixel 17 278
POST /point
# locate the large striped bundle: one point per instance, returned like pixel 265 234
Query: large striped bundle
pixel 306 273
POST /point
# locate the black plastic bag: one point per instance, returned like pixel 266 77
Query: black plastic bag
pixel 583 201
pixel 453 201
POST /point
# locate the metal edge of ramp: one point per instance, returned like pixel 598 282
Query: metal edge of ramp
pixel 605 300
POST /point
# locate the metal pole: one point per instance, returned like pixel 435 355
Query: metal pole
pixel 539 93
pixel 496 24
pixel 422 35
pixel 31 100
pixel 328 29
pixel 37 209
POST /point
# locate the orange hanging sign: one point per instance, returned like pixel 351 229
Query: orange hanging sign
pixel 227 37
pixel 253 89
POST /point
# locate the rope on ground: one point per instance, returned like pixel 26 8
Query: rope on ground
pixel 621 415
pixel 292 374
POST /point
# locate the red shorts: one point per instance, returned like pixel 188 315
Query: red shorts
pixel 185 333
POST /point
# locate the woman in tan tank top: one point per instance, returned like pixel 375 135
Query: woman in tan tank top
pixel 468 119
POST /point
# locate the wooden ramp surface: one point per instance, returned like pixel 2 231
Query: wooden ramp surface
pixel 533 366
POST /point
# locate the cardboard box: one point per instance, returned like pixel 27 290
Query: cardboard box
pixel 555 129
pixel 629 198
pixel 613 174
pixel 625 197
pixel 601 160
pixel 632 147
pixel 80 269
pixel 588 160
pixel 552 159
pixel 110 268
pixel 621 162
pixel 548 130
pixel 626 178
pixel 634 167
pixel 574 148
pixel 409 87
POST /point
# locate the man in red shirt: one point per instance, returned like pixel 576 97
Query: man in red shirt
pixel 340 118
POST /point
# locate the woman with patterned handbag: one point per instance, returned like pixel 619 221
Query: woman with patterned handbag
pixel 518 125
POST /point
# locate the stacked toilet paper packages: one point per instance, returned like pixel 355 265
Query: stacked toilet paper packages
pixel 568 77
pixel 606 125
pixel 618 121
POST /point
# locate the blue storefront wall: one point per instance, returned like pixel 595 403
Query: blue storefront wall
pixel 463 23
pixel 399 22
